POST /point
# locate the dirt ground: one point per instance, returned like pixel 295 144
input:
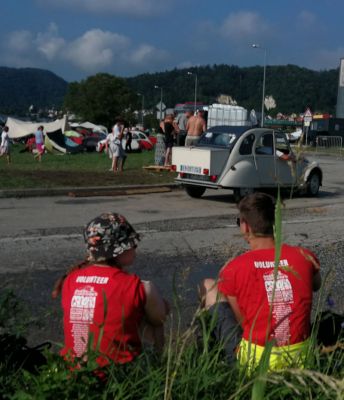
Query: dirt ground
pixel 53 178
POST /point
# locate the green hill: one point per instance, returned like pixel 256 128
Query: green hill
pixel 21 87
pixel 293 88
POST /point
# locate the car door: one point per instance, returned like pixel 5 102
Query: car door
pixel 265 158
pixel 286 170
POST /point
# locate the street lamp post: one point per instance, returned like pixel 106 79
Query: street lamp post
pixel 196 79
pixel 257 46
pixel 142 107
pixel 159 87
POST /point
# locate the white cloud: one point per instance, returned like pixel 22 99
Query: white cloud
pixel 243 26
pixel 49 43
pixel 145 53
pixel 96 49
pixel 137 8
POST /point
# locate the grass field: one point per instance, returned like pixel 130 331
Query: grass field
pixel 76 170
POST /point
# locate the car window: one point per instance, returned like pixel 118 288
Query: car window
pixel 246 145
pixel 217 139
pixel 281 143
pixel 135 136
pixel 264 145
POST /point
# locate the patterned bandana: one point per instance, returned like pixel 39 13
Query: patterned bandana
pixel 108 236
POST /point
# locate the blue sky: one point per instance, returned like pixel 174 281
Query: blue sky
pixel 78 38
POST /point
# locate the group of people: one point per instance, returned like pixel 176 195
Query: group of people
pixel 185 129
pixel 251 302
pixel 5 146
pixel 114 146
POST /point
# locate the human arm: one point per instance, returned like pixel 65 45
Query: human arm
pixel 176 128
pixel 187 125
pixel 285 157
pixel 156 307
pixel 315 265
pixel 107 142
pixel 235 308
pixel 204 125
pixel 227 288
pixel 316 281
pixel 121 132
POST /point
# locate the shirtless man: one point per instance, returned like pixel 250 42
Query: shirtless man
pixel 195 127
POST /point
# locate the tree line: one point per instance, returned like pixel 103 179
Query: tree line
pixel 103 96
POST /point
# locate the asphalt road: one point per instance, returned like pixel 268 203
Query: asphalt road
pixel 183 241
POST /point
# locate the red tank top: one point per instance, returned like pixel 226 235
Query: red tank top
pixel 107 303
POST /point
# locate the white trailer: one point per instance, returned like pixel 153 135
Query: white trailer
pixel 224 114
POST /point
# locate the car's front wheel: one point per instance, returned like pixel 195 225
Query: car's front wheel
pixel 313 184
pixel 195 191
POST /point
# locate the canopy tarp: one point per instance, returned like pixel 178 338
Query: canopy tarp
pixel 90 125
pixel 57 141
pixel 18 128
pixel 62 143
pixel 72 134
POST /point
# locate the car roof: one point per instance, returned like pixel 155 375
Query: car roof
pixel 229 129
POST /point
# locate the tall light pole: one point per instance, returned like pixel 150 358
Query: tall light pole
pixel 196 79
pixel 142 107
pixel 159 87
pixel 257 46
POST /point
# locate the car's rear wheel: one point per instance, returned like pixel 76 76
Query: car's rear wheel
pixel 313 184
pixel 195 191
pixel 241 192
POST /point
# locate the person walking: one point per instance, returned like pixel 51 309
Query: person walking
pixel 39 142
pixel 169 129
pixel 129 139
pixel 5 145
pixel 114 143
pixel 181 120
pixel 195 126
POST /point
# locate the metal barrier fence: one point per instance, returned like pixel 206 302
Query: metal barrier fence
pixel 329 143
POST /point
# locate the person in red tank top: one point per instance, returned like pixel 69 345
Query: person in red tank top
pixel 270 306
pixel 105 307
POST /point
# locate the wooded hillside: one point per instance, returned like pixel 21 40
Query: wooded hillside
pixel 22 87
pixel 293 88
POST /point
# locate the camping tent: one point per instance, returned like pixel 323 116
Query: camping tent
pixel 63 143
pixel 91 126
pixel 19 129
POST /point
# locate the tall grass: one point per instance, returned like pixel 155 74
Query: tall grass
pixel 185 371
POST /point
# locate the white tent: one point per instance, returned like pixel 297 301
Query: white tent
pixel 90 125
pixel 18 128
